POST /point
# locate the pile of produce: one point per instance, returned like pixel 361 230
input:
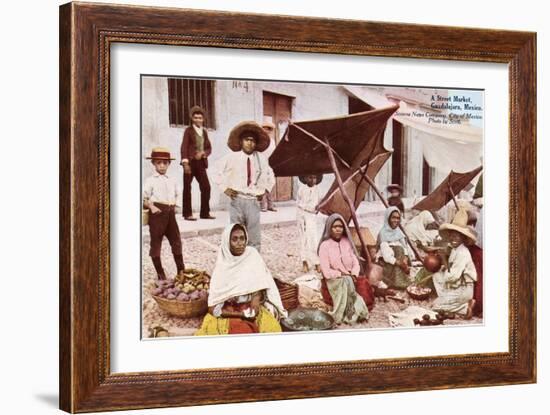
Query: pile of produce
pixel 419 293
pixel 428 321
pixel 187 286
pixel 438 320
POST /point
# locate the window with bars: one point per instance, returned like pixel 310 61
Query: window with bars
pixel 184 94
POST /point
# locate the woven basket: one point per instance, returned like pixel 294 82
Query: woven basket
pixel 288 293
pixel 194 308
pixel 365 233
pixel 419 297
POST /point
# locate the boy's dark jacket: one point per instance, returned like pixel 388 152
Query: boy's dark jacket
pixel 189 145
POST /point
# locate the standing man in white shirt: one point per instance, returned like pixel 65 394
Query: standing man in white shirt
pixel 245 176
pixel 161 195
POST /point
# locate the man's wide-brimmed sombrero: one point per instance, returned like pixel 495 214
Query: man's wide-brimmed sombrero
pixel 303 178
pixel 251 128
pixel 160 153
pixel 459 224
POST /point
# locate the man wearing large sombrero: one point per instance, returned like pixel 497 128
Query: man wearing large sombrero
pixel 244 176
pixel 195 149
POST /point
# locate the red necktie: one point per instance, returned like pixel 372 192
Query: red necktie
pixel 248 172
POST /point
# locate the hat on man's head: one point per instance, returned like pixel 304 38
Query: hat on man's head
pixel 249 129
pixel 460 225
pixel 394 186
pixel 160 153
pixel 196 109
pixel 268 125
pixel 303 178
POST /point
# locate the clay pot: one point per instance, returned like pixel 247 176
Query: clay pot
pixel 432 262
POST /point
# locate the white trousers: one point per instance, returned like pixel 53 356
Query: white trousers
pixel 309 237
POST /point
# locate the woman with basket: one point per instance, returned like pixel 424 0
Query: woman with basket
pixel 243 297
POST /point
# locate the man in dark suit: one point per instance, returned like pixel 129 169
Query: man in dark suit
pixel 195 149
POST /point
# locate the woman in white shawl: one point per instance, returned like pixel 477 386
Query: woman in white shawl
pixel 243 297
pixel 417 228
pixel 395 254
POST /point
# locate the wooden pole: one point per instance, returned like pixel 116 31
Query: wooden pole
pixel 385 203
pixel 349 202
pixel 452 194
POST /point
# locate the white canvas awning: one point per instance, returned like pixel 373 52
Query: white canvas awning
pixel 446 147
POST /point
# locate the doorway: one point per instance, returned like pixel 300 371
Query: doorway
pixel 278 110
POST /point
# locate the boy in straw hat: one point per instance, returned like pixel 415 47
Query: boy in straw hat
pixel 161 195
pixel 454 282
pixel 195 149
pixel 244 175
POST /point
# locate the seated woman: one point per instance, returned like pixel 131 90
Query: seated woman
pixel 454 282
pixel 340 268
pixel 418 229
pixel 394 252
pixel 243 297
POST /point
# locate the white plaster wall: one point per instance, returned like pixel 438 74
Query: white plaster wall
pixel 235 101
pixel 155 126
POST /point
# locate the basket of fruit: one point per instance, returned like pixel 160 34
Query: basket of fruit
pixel 418 293
pixel 184 296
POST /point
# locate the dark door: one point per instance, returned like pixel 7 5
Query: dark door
pixel 278 108
pixel 397 158
pixel 426 178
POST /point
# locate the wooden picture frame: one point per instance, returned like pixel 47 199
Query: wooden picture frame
pixel 86 33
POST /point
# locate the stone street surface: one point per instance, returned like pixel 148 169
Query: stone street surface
pixel 280 249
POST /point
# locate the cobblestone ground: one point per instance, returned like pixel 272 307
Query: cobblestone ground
pixel 280 249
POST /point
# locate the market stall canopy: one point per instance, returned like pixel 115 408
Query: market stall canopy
pixel 355 185
pixel 442 194
pixel 353 138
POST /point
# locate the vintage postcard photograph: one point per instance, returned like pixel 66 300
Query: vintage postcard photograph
pixel 277 206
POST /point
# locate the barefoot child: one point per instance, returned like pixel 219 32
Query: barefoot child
pixel 306 217
pixel 161 195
